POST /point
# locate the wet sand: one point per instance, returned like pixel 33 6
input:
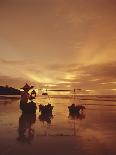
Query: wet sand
pixel 93 133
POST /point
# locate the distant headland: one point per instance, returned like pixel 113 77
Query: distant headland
pixel 6 90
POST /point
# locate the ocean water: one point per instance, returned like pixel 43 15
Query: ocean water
pixel 91 133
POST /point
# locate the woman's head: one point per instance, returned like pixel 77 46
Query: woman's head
pixel 26 88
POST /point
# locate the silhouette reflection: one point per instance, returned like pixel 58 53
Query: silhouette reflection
pixel 78 116
pixel 46 118
pixel 26 128
pixel 75 117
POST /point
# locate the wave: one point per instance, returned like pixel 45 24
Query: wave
pixel 114 105
pixel 111 98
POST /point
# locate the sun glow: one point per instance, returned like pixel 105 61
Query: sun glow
pixel 50 85
pixel 70 77
pixel 114 89
pixel 39 79
pixel 88 90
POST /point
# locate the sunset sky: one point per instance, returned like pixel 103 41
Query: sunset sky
pixel 59 44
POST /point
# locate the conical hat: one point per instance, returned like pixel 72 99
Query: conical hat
pixel 27 87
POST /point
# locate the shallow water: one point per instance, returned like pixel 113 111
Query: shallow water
pixel 93 133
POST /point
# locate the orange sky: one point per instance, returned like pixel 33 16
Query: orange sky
pixel 59 43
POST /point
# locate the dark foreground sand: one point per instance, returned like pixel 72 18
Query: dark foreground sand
pixel 92 134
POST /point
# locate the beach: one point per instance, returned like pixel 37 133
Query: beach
pixel 92 133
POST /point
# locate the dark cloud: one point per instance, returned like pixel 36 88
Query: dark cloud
pixel 96 77
pixel 104 71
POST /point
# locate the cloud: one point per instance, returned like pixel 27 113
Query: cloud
pixel 89 77
pixel 103 71
pixel 11 62
pixel 68 43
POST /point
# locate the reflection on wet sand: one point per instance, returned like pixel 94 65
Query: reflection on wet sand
pixel 75 117
pixel 63 134
pixel 26 128
pixel 4 100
